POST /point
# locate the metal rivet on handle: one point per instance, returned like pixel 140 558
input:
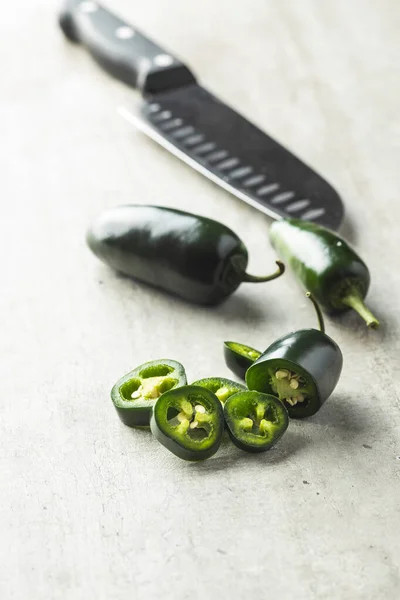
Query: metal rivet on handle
pixel 87 6
pixel 163 60
pixel 124 32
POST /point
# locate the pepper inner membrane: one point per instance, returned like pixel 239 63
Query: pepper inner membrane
pixel 290 387
pixel 260 419
pixel 155 371
pixel 245 351
pixel 223 392
pixel 149 384
pixel 190 417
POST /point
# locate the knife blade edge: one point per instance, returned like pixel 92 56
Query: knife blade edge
pixel 151 132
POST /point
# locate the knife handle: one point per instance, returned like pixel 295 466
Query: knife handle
pixel 121 49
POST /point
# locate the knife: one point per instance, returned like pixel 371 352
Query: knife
pixel 194 125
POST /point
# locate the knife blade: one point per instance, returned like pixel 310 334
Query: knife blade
pixel 195 126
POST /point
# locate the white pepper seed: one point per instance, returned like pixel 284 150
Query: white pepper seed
pixel 281 374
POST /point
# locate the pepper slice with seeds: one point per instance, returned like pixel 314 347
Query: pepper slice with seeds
pixel 255 421
pixel 301 368
pixel 189 422
pixel 135 394
pixel 222 388
pixel 238 357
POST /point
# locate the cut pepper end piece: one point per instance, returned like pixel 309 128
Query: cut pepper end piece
pixel 277 376
pixel 239 357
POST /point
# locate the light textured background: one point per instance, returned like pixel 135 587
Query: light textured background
pixel 92 509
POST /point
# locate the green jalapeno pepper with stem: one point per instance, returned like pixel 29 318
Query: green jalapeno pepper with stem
pixel 255 421
pixel 221 387
pixel 302 368
pixel 135 394
pixel 239 357
pixel 325 265
pixel 196 258
pixel 189 422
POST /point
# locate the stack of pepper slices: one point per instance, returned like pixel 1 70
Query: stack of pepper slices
pixel 203 261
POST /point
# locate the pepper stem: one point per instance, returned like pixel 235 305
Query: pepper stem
pixel 354 301
pixel 320 318
pixel 255 279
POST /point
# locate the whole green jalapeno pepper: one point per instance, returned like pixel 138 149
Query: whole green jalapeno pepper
pixel 196 258
pixel 221 387
pixel 255 421
pixel 302 368
pixel 325 264
pixel 135 394
pixel 189 422
pixel 239 357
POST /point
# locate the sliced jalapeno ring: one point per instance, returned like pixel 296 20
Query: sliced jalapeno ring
pixel 255 421
pixel 238 357
pixel 222 388
pixel 134 395
pixel 189 422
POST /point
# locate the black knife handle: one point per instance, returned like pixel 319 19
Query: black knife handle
pixel 121 49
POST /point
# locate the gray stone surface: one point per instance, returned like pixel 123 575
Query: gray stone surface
pixel 92 509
